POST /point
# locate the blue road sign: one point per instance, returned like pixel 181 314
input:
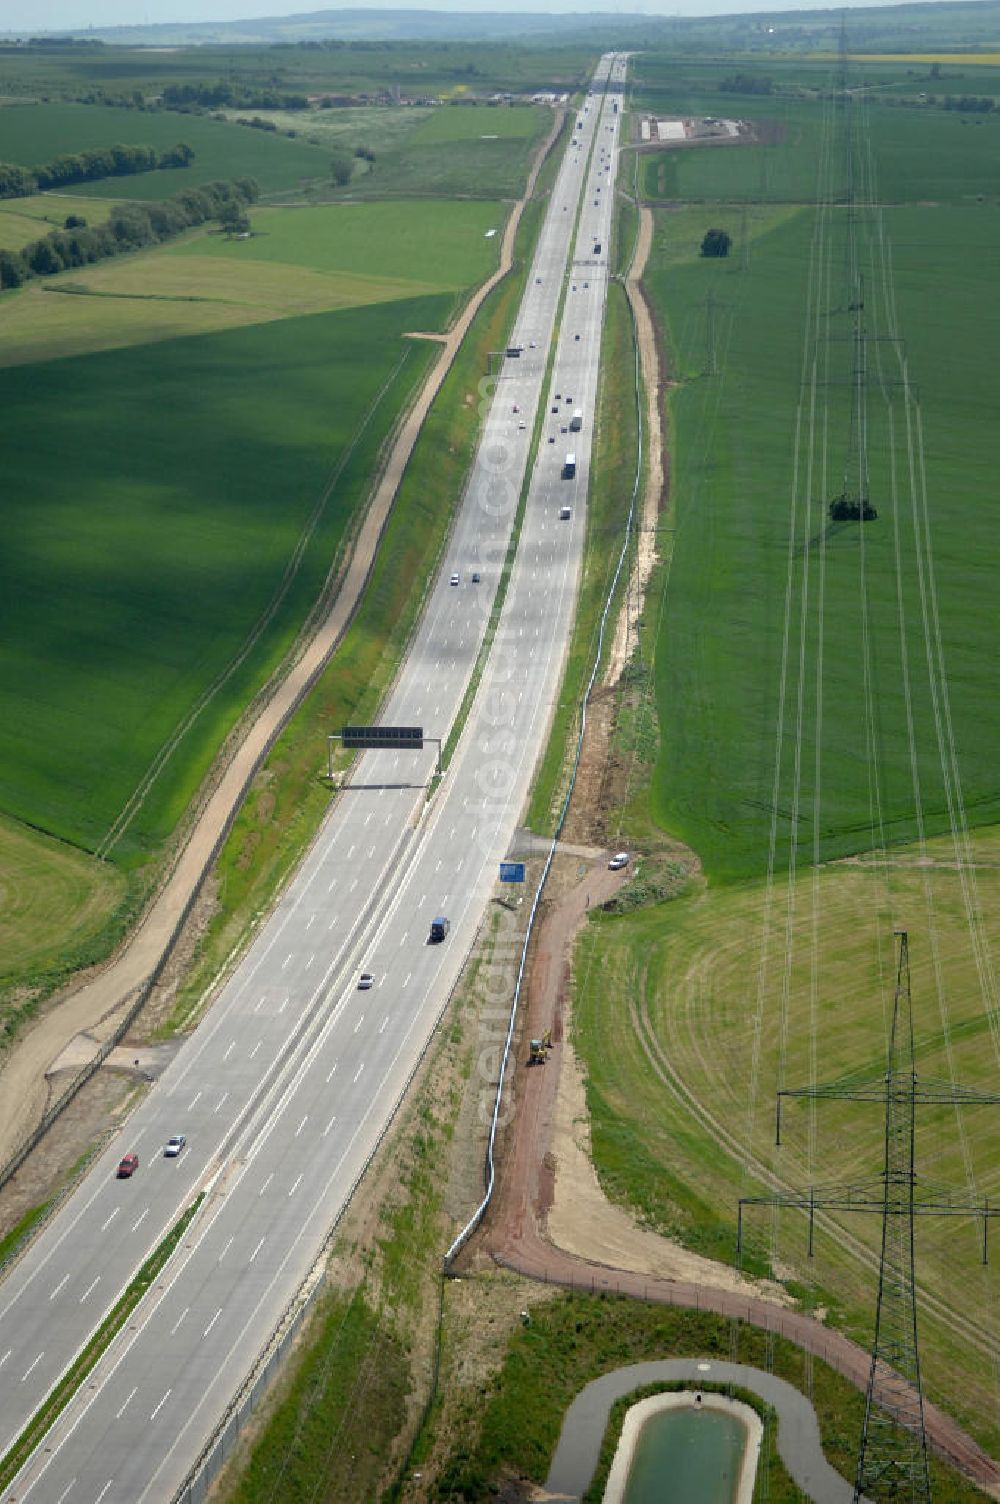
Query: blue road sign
pixel 512 872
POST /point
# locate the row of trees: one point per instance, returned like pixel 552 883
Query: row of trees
pixel 969 104
pixel 224 94
pixel 747 83
pixel 85 166
pixel 130 227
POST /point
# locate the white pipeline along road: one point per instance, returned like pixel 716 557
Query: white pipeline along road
pixel 285 1089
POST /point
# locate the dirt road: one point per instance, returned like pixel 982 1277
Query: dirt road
pixel 99 1001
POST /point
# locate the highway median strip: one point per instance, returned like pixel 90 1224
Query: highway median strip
pixel 53 1406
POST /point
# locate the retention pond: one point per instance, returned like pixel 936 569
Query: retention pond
pixel 686 1448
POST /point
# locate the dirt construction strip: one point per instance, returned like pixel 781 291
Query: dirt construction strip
pixel 655 488
pixel 23 1088
pixel 533 1209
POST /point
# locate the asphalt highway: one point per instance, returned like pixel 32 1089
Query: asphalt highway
pixel 288 1084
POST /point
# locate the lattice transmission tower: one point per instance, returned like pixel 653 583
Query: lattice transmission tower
pixel 892 1455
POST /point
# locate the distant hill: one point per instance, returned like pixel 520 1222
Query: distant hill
pixel 945 25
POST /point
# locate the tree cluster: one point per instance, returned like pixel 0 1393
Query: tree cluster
pixel 341 166
pixel 84 166
pixel 716 243
pixel 968 104
pixel 224 94
pixel 747 83
pixel 129 227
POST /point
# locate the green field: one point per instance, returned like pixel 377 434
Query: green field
pixel 457 150
pixel 435 245
pixel 134 580
pixel 54 900
pixel 923 157
pixel 23 220
pixel 36 133
pixel 722 641
pixel 307 260
pixel 418 69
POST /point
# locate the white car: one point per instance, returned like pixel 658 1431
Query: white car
pixel 618 861
pixel 365 981
pixel 454 579
pixel 174 1146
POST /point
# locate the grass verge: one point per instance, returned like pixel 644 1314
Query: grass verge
pixel 46 1416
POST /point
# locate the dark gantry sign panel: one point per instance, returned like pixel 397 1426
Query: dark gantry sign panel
pixel 406 737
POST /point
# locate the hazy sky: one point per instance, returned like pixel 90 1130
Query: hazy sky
pixel 50 15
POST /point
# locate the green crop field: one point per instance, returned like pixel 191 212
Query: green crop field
pixel 439 245
pixel 457 150
pixel 54 899
pixel 23 220
pixel 134 580
pixel 721 646
pixel 307 260
pixel 458 123
pixel 417 69
pixel 32 134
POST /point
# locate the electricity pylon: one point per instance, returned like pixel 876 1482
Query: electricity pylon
pixel 892 1456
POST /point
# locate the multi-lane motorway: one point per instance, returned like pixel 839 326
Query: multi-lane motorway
pixel 285 1089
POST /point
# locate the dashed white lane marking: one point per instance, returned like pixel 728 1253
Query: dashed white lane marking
pixel 7 1355
pixel 34 1365
pixel 330 1076
pixel 329 1125
pixel 154 1413
pixel 103 1491
pixel 267 1182
pixel 360 1021
pixel 128 1401
pixel 257 1250
pixel 66 1491
pixel 107 1224
pixel 256 1048
pixel 58 1287
pixel 138 1222
pixel 357 1074
pixel 407 977
pixel 298 1182
pixel 302 1125
pixel 230 1047
pixel 290 957
pixel 194 1101
pixel 90 1289
pixel 309 921
pixel 225 1250
pixel 180 1318
pixel 383 1024
pixel 222 1099
pixel 212 1322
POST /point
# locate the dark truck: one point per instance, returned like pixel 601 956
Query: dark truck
pixel 439 929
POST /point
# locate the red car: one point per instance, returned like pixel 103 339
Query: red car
pixel 128 1166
